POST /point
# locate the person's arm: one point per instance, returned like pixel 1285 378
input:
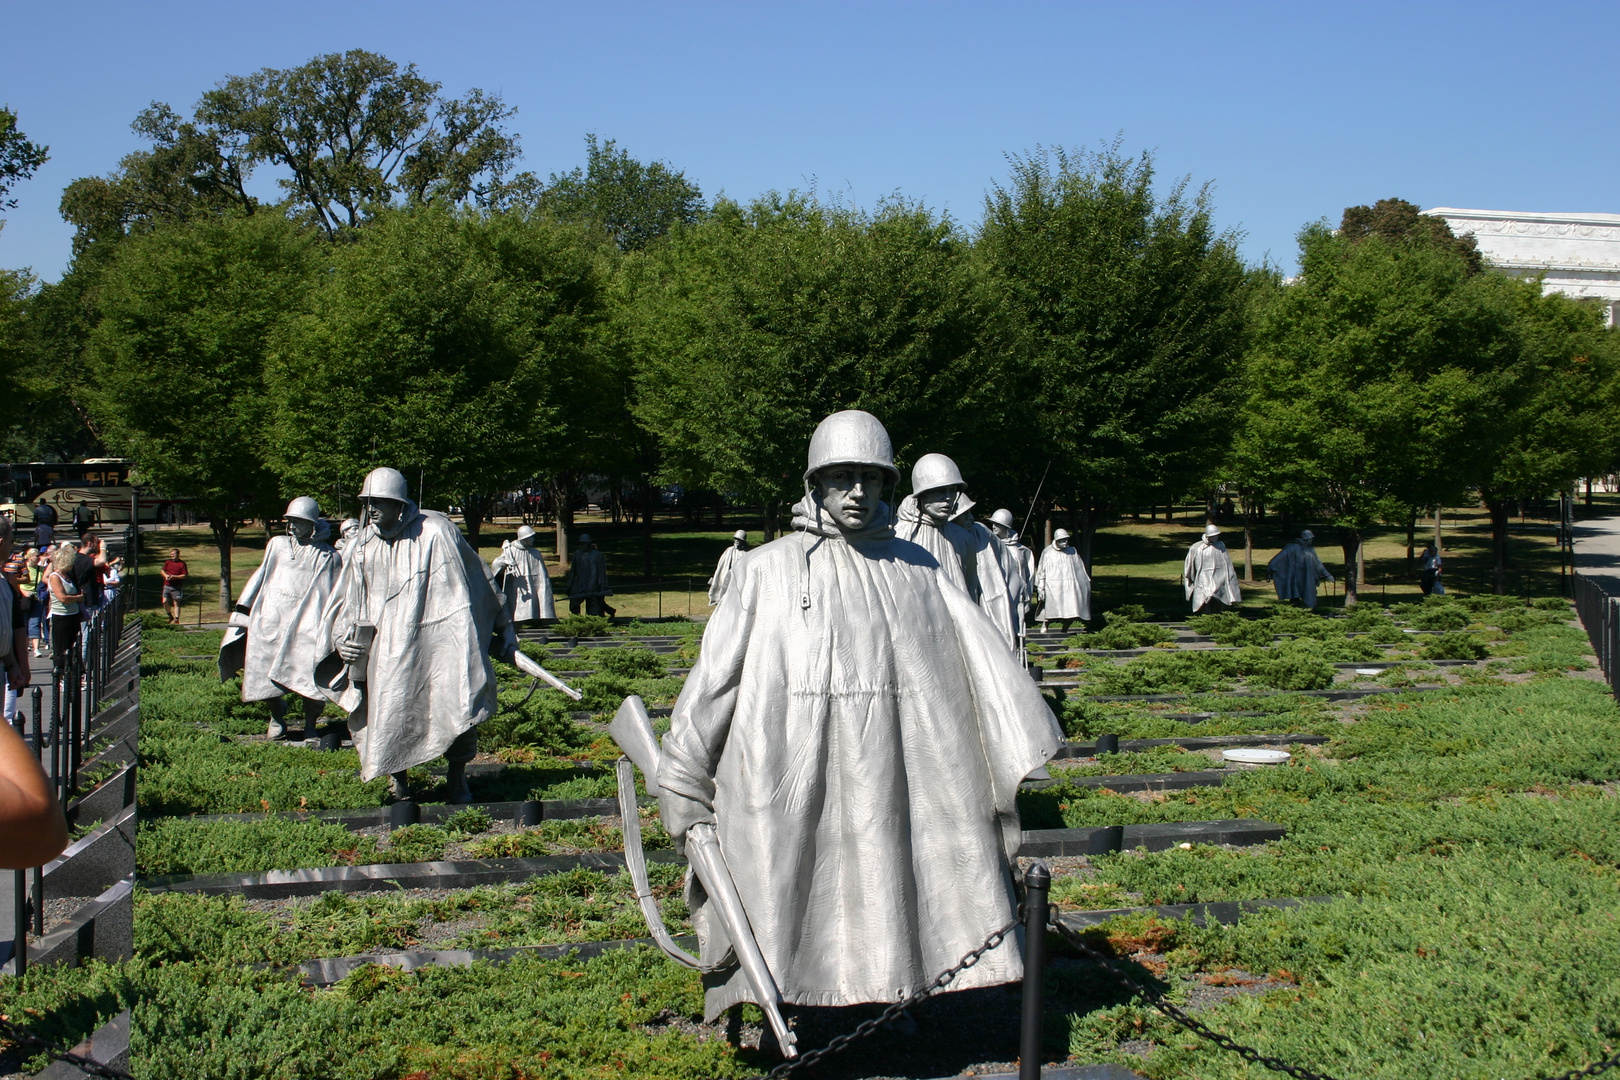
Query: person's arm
pixel 32 829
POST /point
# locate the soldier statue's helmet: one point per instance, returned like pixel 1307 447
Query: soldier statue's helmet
pixel 740 534
pixel 1061 534
pixel 1212 530
pixel 1003 518
pixel 349 525
pixel 1307 535
pixel 385 483
pixel 851 437
pixel 934 471
pixel 584 538
pixel 525 531
pixel 305 508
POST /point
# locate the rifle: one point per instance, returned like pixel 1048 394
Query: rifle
pixel 632 729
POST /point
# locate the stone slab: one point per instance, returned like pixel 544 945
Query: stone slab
pixel 328 972
pixel 1242 832
pixel 103 928
pixel 95 862
pixel 1176 781
pixel 551 810
pixel 1210 742
pixel 1225 912
pixel 108 1044
pixel 105 800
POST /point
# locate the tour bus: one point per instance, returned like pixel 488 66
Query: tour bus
pixel 102 483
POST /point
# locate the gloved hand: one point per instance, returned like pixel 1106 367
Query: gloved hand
pixel 508 645
pixel 240 618
pixel 350 650
pixel 680 813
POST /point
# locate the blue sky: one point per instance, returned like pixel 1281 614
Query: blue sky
pixel 1292 110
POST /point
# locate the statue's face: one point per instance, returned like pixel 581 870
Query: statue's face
pixel 937 503
pixel 384 513
pixel 1001 531
pixel 528 541
pixel 301 528
pixel 851 494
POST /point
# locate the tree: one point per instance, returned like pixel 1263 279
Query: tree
pixel 354 131
pixel 1559 415
pixel 635 203
pixel 1376 381
pixel 176 363
pixel 18 157
pixel 443 344
pixel 1122 316
pixel 748 328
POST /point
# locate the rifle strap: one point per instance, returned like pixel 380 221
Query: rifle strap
pixel 636 861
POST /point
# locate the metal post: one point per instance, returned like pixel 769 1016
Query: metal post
pixel 1037 881
pixel 39 871
pixel 19 941
pixel 56 728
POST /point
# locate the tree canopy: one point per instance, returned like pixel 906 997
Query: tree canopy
pixel 19 158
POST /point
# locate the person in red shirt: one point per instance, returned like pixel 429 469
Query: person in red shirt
pixel 174 580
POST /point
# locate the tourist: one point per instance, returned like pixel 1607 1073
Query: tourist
pixel 13 622
pixel 39 619
pixel 32 828
pixel 110 582
pixel 89 571
pixel 854 733
pixel 174 584
pixel 1429 570
pixel 44 523
pixel 66 604
pixel 84 516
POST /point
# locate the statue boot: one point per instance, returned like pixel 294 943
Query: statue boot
pixel 397 786
pixel 456 790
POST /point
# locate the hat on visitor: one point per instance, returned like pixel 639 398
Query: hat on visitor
pixel 524 532
pixel 1212 529
pixel 304 508
pixel 1061 534
pixel 934 471
pixel 1003 518
pixel 1307 535
pixel 584 538
pixel 385 483
pixel 740 534
pixel 851 437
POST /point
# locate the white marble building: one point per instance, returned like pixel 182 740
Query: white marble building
pixel 1577 254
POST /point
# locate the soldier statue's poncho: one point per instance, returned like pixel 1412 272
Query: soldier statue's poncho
pixel 730 564
pixel 1296 570
pixel 285 600
pixel 862 755
pixel 1019 563
pixel 969 557
pixel 428 675
pixel 520 573
pixel 1207 575
pixel 989 571
pixel 1063 585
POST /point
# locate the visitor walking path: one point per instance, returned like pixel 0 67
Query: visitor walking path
pixel 1597 551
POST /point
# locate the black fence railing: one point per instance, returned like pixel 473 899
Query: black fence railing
pixel 1599 611
pixel 99 667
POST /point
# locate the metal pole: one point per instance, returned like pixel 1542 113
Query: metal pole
pixel 1037 881
pixel 39 871
pixel 19 941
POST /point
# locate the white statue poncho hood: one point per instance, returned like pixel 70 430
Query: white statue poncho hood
pixel 428 678
pixel 1063 584
pixel 730 564
pixel 286 598
pixel 520 574
pixel 861 731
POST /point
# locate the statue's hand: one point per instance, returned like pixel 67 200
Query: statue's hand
pixel 680 814
pixel 508 645
pixel 350 650
pixel 240 618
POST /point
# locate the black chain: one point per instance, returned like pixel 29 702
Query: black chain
pixel 892 1013
pixel 1226 1042
pixel 534 685
pixel 78 1061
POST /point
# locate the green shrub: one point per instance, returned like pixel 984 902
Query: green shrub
pixel 1134 613
pixel 545 722
pixel 468 822
pixel 177 846
pixel 1552 603
pixel 1455 645
pixel 631 662
pixel 1433 614
pixel 416 843
pixel 579 626
pixel 1230 628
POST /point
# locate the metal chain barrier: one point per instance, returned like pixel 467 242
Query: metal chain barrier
pixel 78 1061
pixel 892 1013
pixel 1226 1042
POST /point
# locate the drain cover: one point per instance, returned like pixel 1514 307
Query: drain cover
pixel 1253 755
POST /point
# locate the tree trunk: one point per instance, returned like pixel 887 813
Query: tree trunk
pixel 1049 531
pixel 1248 540
pixel 1438 538
pixel 768 511
pixel 1350 542
pixel 561 486
pixel 1589 493
pixel 1411 536
pixel 474 511
pixel 1499 537
pixel 648 494
pixel 224 536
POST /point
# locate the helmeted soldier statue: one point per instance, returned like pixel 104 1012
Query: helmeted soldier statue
pixel 522 580
pixel 938 516
pixel 1297 569
pixel 1018 564
pixel 1208 577
pixel 273 631
pixel 1062 583
pixel 346 533
pixel 854 733
pixel 405 642
pixel 731 561
pixel 587 581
